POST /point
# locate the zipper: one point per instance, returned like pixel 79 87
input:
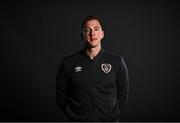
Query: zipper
pixel 91 91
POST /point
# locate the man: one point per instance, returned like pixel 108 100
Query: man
pixel 92 84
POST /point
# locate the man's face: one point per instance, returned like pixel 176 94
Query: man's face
pixel 93 33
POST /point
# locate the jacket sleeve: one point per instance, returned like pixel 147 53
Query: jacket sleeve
pixel 61 86
pixel 122 83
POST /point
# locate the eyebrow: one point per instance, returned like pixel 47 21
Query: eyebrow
pixel 94 27
pixel 97 27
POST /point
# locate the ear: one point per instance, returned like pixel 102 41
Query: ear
pixel 82 36
pixel 102 36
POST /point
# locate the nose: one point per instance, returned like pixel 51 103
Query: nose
pixel 92 33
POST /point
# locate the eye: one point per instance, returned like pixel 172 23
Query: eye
pixel 96 29
pixel 86 30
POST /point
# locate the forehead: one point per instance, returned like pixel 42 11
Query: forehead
pixel 92 23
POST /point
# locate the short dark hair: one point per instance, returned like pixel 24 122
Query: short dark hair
pixel 88 18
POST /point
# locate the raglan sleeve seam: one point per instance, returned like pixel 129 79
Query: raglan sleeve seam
pixel 122 83
pixel 61 85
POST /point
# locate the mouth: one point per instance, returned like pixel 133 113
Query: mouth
pixel 93 39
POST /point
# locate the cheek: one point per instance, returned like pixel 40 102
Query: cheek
pixel 86 36
pixel 101 35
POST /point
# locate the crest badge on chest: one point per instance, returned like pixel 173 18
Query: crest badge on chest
pixel 106 67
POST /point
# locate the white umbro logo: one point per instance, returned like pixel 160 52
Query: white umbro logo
pixel 78 69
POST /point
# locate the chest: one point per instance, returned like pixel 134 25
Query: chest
pixel 97 73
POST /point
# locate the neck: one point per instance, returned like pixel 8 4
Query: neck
pixel 93 51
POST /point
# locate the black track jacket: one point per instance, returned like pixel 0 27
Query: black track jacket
pixel 92 90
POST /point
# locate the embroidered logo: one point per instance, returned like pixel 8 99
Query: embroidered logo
pixel 78 69
pixel 106 67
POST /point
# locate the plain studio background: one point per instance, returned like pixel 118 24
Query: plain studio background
pixel 36 36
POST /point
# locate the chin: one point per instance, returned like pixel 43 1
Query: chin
pixel 92 45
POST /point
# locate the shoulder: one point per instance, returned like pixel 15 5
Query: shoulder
pixel 67 61
pixel 113 56
pixel 71 58
pixel 117 60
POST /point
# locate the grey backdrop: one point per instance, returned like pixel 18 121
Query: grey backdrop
pixel 35 36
